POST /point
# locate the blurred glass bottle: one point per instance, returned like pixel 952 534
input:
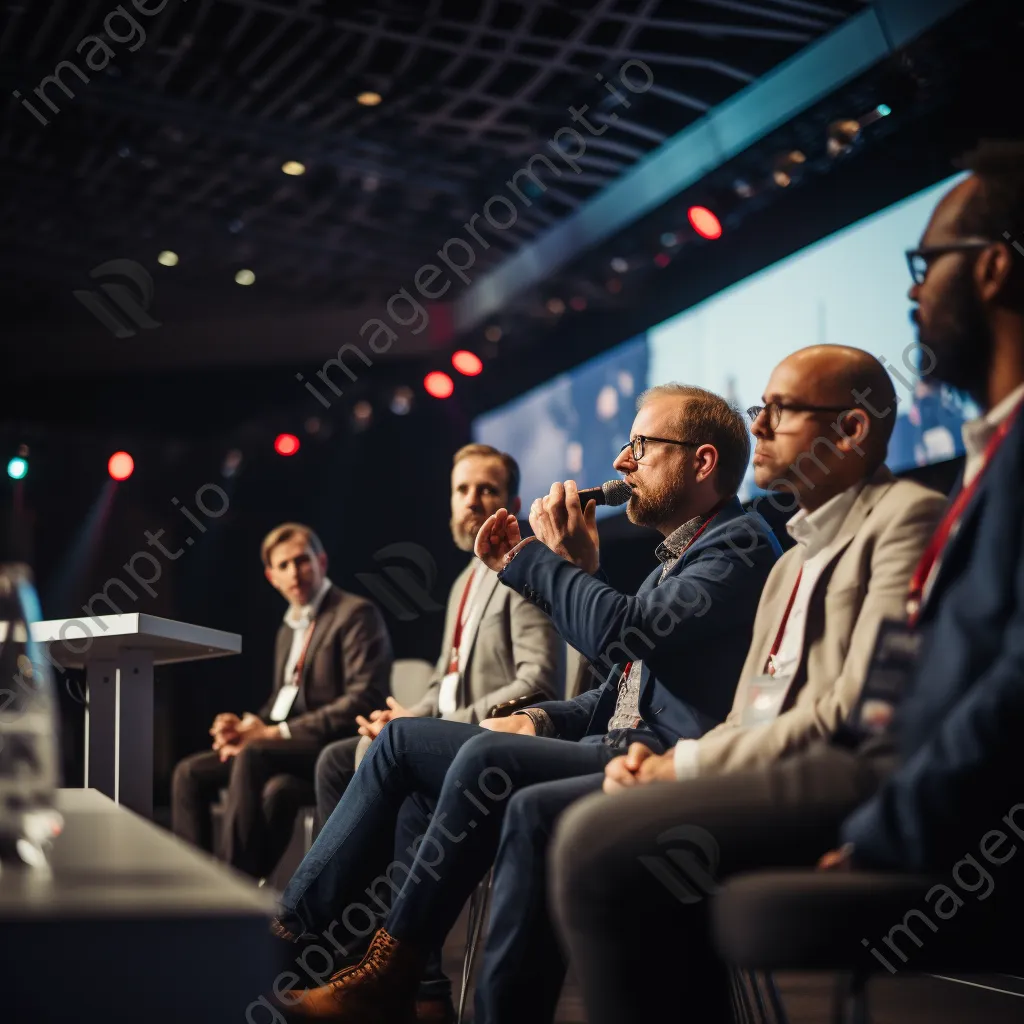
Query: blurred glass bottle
pixel 28 727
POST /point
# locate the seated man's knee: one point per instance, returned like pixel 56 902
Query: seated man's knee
pixel 333 764
pixel 583 840
pixel 183 778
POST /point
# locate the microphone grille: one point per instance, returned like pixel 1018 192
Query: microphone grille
pixel 616 492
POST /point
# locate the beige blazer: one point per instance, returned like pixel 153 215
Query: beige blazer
pixel 865 580
pixel 509 649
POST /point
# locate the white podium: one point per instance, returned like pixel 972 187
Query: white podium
pixel 118 659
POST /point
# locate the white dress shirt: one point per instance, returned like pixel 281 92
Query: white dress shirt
pixel 299 620
pixel 813 533
pixel 977 433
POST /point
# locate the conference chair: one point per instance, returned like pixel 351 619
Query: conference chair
pixel 410 678
pixel 802 920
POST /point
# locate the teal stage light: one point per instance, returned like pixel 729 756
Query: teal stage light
pixel 17 468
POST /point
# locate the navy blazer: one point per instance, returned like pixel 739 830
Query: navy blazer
pixel 691 631
pixel 961 726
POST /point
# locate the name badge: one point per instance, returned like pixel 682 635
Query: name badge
pixel 764 699
pixel 283 705
pixel 892 663
pixel 448 697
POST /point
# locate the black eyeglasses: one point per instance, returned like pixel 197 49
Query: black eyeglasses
pixel 919 260
pixel 638 442
pixel 774 410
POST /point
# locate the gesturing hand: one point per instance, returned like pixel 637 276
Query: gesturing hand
pixel 496 538
pixel 569 531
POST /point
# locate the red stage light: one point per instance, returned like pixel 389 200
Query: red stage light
pixel 438 384
pixel 286 444
pixel 467 363
pixel 704 222
pixel 662 260
pixel 120 465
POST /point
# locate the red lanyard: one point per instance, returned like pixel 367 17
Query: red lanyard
pixel 453 662
pixel 937 545
pixel 782 625
pixel 297 671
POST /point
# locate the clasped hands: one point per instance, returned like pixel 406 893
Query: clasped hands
pixel 558 523
pixel 230 733
pixel 640 765
pixel 637 767
pixel 371 727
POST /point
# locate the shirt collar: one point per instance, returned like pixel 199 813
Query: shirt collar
pixel 300 618
pixel 977 432
pixel 675 543
pixel 814 531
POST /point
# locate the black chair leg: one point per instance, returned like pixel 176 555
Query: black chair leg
pixel 851 1000
pixel 477 915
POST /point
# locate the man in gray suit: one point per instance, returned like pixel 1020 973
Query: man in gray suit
pixel 496 647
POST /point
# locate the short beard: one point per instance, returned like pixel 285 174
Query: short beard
pixel 654 509
pixel 464 540
pixel 960 341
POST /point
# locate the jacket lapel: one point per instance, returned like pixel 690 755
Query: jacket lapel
pixel 869 496
pixel 321 626
pixel 284 643
pixel 485 589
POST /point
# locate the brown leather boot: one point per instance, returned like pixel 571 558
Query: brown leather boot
pixel 435 1011
pixel 380 989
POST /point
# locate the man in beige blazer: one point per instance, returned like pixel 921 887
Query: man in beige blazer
pixel 859 533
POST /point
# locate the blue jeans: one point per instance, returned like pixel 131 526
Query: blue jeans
pixel 476 780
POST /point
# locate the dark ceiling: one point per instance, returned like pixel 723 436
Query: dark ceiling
pixel 178 142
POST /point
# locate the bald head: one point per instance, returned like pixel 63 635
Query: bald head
pixel 840 374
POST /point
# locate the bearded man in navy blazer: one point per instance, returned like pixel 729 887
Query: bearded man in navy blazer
pixel 961 725
pixel 674 651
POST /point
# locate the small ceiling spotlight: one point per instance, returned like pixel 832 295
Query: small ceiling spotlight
pixel 245 277
pixel 438 384
pixel 788 168
pixel 704 222
pixel 619 265
pixel 555 306
pixel 362 415
pixel 842 137
pixel 286 444
pixel 293 168
pixel 369 99
pixel 401 401
pixel 167 258
pixel 469 364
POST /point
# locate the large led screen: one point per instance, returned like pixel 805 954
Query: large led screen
pixel 848 289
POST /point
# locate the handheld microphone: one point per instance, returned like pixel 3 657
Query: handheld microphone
pixel 611 492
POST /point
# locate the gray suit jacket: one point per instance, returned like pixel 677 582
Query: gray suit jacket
pixel 866 580
pixel 509 650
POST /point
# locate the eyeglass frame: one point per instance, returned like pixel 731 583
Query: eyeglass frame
pixel 927 253
pixel 643 439
pixel 755 410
